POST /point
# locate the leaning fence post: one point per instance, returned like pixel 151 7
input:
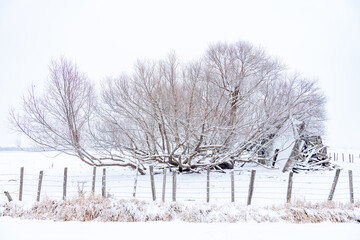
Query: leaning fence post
pixel 65 183
pixel 332 191
pixel 39 185
pixel 174 187
pixel 103 189
pixel 151 168
pixel 21 183
pixel 93 180
pixel 164 185
pixel 208 184
pixel 351 187
pixel 289 189
pixel 232 186
pixel 251 186
pixel 7 194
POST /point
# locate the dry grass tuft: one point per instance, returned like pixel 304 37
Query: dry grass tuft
pixel 89 208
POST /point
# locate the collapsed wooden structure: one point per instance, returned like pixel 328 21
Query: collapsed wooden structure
pixel 308 154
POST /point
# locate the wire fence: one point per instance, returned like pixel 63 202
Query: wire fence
pixel 208 186
pixel 344 157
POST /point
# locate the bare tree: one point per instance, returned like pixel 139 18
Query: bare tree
pixel 59 119
pixel 234 100
pixel 189 115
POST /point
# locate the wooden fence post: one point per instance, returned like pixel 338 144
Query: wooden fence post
pixel 39 185
pixel 103 189
pixel 164 185
pixel 208 184
pixel 351 187
pixel 275 157
pixel 7 194
pixel 21 183
pixel 349 158
pixel 343 157
pixel 251 186
pixel 289 189
pixel 93 180
pixel 232 186
pixel 174 187
pixel 334 157
pixel 151 168
pixel 136 179
pixel 65 183
pixel 332 191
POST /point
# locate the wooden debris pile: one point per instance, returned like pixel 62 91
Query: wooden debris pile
pixel 309 154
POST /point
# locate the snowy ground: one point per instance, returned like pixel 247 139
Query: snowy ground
pixel 270 185
pixel 11 229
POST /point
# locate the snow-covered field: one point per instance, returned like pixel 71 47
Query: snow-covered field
pixel 270 185
pixel 270 188
pixel 11 229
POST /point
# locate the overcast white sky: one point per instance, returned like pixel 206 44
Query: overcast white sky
pixel 320 39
